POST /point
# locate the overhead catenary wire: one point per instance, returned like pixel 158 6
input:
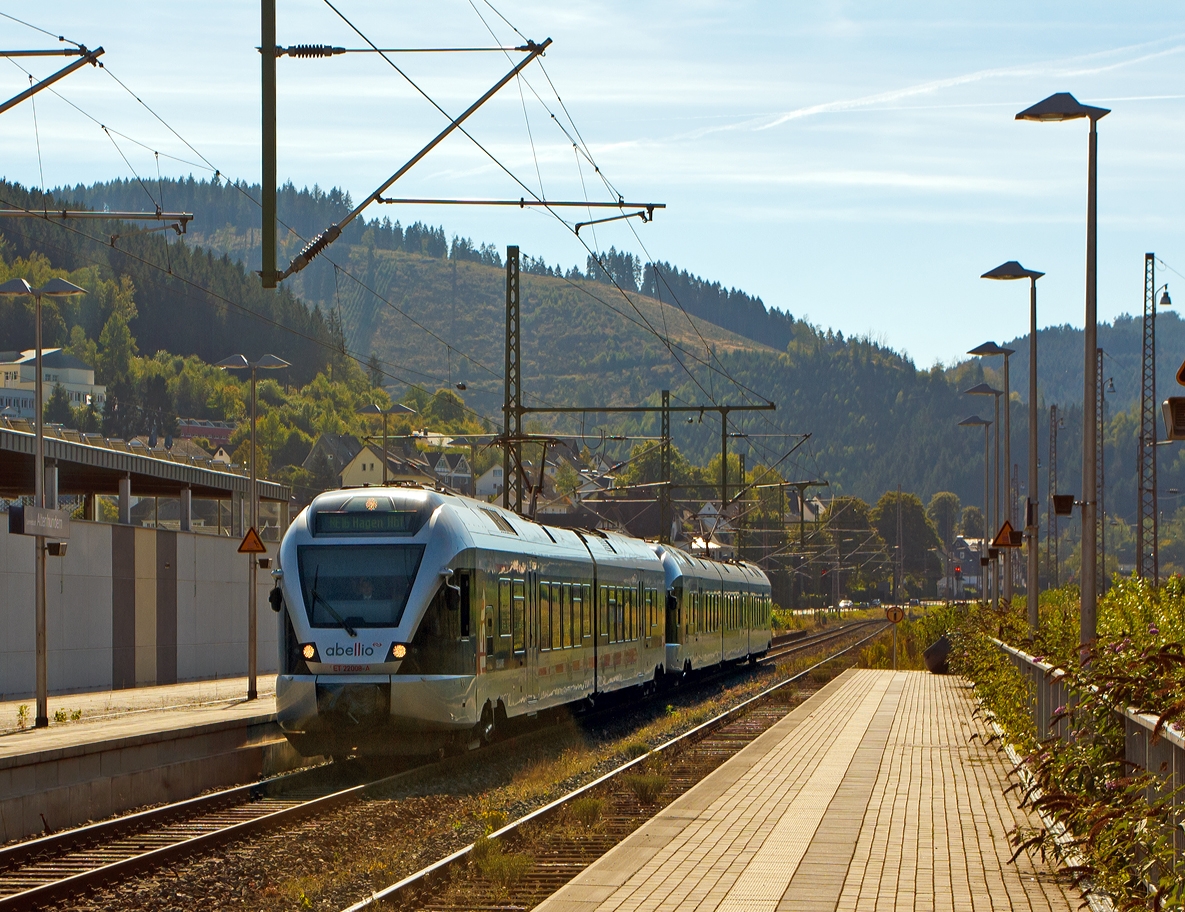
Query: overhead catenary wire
pixel 644 322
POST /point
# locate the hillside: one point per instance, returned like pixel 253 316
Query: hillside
pixel 430 309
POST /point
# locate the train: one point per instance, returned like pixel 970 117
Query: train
pixel 413 620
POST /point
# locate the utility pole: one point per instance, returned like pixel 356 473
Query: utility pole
pixel 723 461
pixel 740 532
pixel 1148 561
pixel 512 403
pixel 664 493
pixel 1052 557
pixel 267 56
pixel 899 575
pixel 1100 425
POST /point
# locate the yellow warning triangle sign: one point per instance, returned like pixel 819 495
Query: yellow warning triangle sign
pixel 1006 537
pixel 252 543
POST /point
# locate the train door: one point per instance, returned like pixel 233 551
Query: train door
pixel 532 614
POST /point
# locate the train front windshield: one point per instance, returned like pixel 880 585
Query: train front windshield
pixel 357 585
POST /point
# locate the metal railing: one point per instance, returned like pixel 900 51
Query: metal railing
pixel 1161 753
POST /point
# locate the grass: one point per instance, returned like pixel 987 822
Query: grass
pixel 501 868
pixel 647 787
pixel 586 810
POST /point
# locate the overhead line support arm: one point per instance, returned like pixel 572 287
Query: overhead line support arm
pixel 91 57
pixel 333 232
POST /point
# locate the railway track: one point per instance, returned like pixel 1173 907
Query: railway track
pixel 45 871
pixel 452 884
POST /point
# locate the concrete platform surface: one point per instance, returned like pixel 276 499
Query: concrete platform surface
pixel 868 796
pixel 136 747
pixel 102 705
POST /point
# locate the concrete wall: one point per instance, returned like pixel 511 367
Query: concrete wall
pixel 129 607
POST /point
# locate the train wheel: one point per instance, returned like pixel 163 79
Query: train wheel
pixel 486 726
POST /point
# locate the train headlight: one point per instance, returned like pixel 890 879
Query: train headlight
pixel 398 651
pixel 309 651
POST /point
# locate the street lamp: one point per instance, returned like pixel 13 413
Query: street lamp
pixel 239 362
pixel 1058 107
pixel 374 409
pixel 1010 271
pixel 983 389
pixel 976 421
pixel 54 288
pixel 991 348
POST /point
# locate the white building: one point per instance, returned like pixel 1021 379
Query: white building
pixel 489 484
pixel 18 371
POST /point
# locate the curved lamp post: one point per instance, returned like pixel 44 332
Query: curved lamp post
pixel 976 421
pixel 54 288
pixel 239 362
pixel 984 389
pixel 1012 270
pixel 991 348
pixel 1059 107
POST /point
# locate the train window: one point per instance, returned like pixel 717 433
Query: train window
pixel 360 585
pixel 504 607
pixel 647 612
pixel 622 629
pixel 603 612
pixel 557 616
pixel 632 601
pixel 544 616
pixel 568 615
pixel 518 614
pixel 586 610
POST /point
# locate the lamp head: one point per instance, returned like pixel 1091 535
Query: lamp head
pixel 1061 106
pixel 1011 270
pixel 234 362
pixel 988 348
pixel 1164 298
pixel 974 421
pixel 14 287
pixel 270 362
pixel 983 389
pixel 369 409
pixel 60 288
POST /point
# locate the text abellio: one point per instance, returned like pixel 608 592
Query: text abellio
pixel 354 649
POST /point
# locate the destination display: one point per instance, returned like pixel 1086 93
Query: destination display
pixel 386 522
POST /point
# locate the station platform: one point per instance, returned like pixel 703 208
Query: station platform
pixel 135 747
pixel 871 795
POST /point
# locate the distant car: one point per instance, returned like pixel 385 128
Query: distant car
pixel 876 603
pixel 845 603
pixel 914 603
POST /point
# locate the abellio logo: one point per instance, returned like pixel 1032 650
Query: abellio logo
pixel 354 649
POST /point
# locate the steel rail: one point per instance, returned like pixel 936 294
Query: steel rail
pixel 426 875
pixel 54 850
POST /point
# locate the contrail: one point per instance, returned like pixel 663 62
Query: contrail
pixel 1053 69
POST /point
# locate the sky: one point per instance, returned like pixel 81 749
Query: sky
pixel 856 165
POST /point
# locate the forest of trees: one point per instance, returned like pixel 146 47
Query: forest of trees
pixel 876 420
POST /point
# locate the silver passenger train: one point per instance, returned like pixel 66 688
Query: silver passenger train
pixel 413 620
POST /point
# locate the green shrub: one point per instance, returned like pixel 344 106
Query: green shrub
pixel 586 810
pixel 499 867
pixel 647 786
pixel 635 749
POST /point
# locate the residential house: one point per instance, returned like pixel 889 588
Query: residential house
pixel 18 372
pixel 217 432
pixel 366 468
pixel 451 470
pixel 489 484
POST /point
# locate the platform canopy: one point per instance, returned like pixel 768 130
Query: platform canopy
pixel 93 465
